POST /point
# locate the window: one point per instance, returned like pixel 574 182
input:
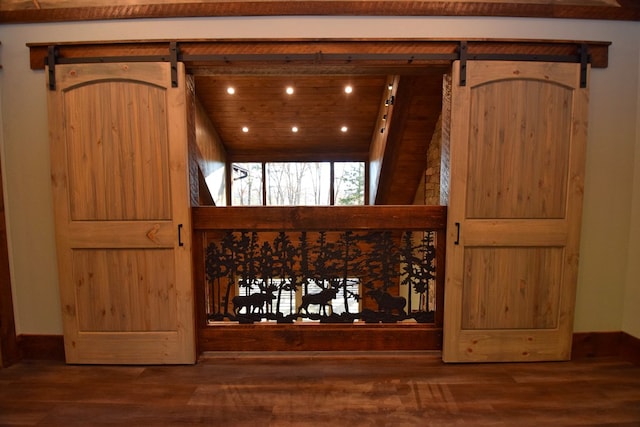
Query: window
pixel 348 183
pixel 298 184
pixel 246 184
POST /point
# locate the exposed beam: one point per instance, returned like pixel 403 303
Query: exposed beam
pixel 417 107
pixel 321 218
pixel 324 56
pixel 26 11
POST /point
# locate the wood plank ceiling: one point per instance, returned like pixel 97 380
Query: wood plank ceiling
pixel 304 125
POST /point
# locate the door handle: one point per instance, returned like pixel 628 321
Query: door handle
pixel 180 243
pixel 457 242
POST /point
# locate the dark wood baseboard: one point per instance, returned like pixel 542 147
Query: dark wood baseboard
pixel 606 344
pixel 50 347
pixel 595 344
pixel 322 338
pixel 630 348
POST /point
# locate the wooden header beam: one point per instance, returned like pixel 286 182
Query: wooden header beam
pixel 29 11
pixel 326 56
pixel 319 218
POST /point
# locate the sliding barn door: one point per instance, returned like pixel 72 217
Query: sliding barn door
pixel 120 187
pixel 517 141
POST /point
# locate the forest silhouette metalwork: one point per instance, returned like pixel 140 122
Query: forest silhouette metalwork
pixel 325 276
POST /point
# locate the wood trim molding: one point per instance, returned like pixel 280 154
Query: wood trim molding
pixel 231 338
pixel 20 11
pixel 315 56
pixel 8 345
pixel 630 348
pixel 47 347
pixel 606 344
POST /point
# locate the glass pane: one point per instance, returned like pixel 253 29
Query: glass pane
pixel 349 183
pixel 298 184
pixel 216 184
pixel 246 184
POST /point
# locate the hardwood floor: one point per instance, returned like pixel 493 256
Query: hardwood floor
pixel 323 389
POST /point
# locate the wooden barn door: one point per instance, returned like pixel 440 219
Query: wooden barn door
pixel 517 139
pixel 120 187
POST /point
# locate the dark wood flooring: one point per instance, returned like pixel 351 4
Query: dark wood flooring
pixel 323 389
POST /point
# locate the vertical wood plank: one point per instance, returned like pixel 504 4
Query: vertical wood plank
pixel 518 135
pixel 8 344
pixel 121 194
pixel 118 170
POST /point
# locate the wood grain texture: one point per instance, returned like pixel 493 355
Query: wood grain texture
pixel 515 211
pixel 520 172
pixel 301 56
pixel 323 389
pixel 585 344
pixel 124 290
pixel 319 107
pixel 210 153
pixel 121 198
pixel 511 289
pixel 325 337
pixel 76 10
pixel 417 108
pixel 277 218
pixel 125 161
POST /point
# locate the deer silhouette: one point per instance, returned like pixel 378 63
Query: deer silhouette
pixel 253 302
pixel 322 299
pixel 387 302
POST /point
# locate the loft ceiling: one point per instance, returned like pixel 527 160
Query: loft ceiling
pixel 318 108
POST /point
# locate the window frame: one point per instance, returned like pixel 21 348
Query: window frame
pixel 332 188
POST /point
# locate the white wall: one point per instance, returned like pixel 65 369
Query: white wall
pixel 608 293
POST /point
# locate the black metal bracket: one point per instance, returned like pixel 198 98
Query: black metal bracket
pixel 173 58
pixel 585 59
pixel 52 56
pixel 457 241
pixel 462 53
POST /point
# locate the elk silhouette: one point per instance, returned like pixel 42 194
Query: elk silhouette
pixel 322 299
pixel 253 302
pixel 387 302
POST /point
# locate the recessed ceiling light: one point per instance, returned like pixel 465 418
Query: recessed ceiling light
pixel 245 129
pixel 344 129
pixel 231 90
pixel 289 90
pixel 348 89
pixel 294 129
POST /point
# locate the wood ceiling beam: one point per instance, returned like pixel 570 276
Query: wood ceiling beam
pixel 326 56
pixel 28 11
pixel 417 107
pixel 299 155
